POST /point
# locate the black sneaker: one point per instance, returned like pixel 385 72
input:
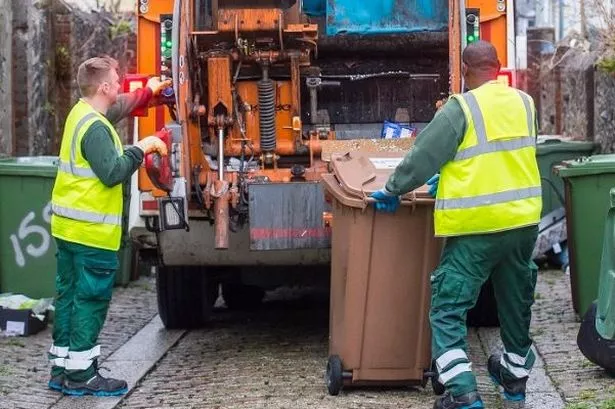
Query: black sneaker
pixel 514 390
pixel 55 382
pixel 97 385
pixel 469 400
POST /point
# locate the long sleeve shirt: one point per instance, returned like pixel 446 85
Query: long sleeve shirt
pixel 434 146
pixel 97 145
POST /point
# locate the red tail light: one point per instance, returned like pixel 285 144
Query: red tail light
pixel 506 77
pixel 132 82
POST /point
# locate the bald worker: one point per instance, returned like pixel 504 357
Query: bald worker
pixel 488 204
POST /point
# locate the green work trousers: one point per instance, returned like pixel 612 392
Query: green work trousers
pixel 84 284
pixel 466 264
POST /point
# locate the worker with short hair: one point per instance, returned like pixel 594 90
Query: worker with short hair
pixel 488 205
pixel 86 221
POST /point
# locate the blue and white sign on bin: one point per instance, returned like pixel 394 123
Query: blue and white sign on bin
pixel 393 130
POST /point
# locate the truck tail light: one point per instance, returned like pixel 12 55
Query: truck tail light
pixel 506 77
pixel 151 205
pixel 131 83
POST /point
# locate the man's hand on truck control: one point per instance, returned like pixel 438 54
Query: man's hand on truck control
pixel 385 201
pixel 151 144
pixel 157 86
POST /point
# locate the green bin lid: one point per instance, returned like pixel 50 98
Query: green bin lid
pixel 547 144
pixel 45 166
pixel 592 165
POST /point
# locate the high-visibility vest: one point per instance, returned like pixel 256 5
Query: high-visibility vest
pixel 84 210
pixel 493 183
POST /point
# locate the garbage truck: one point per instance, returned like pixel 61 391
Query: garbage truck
pixel 264 93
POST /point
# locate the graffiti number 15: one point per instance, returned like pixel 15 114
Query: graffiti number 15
pixel 25 230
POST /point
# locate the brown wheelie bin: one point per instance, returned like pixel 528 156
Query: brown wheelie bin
pixel 381 264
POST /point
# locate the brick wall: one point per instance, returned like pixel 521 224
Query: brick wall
pixel 50 39
pixel 6 85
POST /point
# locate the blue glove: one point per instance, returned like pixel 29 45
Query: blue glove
pixel 386 201
pixel 433 184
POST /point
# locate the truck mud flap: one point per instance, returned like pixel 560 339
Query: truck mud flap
pixel 285 216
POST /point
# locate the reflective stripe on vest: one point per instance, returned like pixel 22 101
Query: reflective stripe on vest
pixel 71 167
pixel 86 216
pixel 486 146
pixel 490 199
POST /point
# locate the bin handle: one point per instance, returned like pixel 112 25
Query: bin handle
pixel 370 200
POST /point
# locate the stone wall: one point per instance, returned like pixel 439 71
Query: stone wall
pixel 578 95
pixel 6 58
pixel 577 99
pixel 32 68
pixel 43 43
pixel 604 111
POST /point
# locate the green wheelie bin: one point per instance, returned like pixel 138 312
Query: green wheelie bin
pixel 551 151
pixel 587 183
pixel 596 336
pixel 27 250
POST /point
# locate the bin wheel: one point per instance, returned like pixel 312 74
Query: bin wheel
pixel 598 350
pixel 334 375
pixel 437 387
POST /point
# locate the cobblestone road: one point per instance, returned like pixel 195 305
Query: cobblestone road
pixel 275 358
pixel 24 369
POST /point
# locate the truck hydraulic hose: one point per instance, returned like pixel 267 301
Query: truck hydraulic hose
pixel 266 110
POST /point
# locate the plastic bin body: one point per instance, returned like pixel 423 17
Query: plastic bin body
pixel 27 249
pixel 587 185
pixel 380 285
pixel 551 151
pixel 605 316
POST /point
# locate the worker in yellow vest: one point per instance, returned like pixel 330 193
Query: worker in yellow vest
pixel 86 221
pixel 488 204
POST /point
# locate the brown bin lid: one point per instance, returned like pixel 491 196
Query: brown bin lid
pixel 359 174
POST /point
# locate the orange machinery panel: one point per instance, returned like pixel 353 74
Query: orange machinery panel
pixel 219 82
pixel 249 19
pixel 493 26
pixel 148 62
pixel 248 92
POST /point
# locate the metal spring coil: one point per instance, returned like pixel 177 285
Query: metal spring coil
pixel 266 109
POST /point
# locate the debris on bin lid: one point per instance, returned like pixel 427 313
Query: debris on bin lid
pixel 21 302
pixel 362 173
pixel 336 147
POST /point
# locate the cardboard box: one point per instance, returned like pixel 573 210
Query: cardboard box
pixel 21 322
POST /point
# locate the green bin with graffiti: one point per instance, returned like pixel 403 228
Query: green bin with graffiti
pixel 27 250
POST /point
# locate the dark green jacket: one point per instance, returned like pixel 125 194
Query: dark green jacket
pixel 97 144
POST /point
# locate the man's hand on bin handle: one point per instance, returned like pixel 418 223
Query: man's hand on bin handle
pixel 433 184
pixel 157 86
pixel 151 144
pixel 385 201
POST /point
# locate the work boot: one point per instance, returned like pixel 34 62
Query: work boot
pixel 470 400
pixel 514 389
pixel 97 385
pixel 55 382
